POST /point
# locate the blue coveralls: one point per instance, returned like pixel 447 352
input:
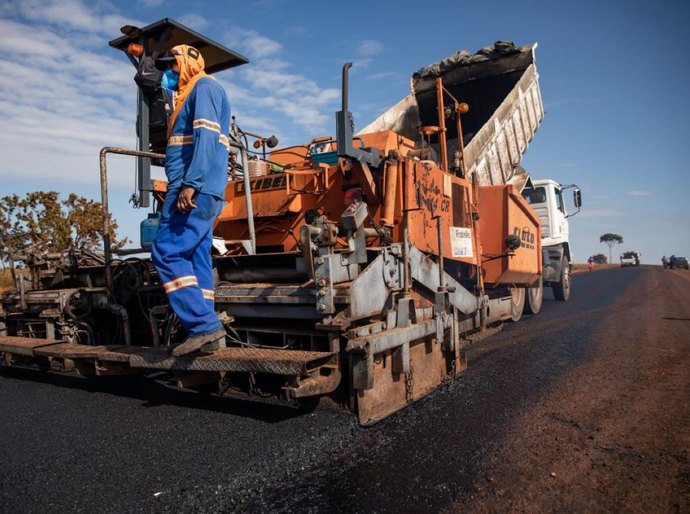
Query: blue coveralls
pixel 196 156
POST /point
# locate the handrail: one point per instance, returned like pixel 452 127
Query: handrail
pixel 104 188
pixel 152 155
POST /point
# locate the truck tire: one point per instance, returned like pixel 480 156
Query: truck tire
pixel 517 303
pixel 534 298
pixel 561 289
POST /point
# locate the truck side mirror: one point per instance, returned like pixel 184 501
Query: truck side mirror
pixel 577 197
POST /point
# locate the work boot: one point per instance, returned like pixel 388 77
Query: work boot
pixel 205 342
pixel 210 347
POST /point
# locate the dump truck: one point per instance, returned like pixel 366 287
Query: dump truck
pixel 502 85
pixel 357 267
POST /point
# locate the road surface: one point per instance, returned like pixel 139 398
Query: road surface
pixel 583 408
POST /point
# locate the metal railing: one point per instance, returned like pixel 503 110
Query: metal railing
pixel 104 188
pixel 151 155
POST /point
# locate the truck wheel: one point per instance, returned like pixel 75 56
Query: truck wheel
pixel 561 289
pixel 534 298
pixel 517 303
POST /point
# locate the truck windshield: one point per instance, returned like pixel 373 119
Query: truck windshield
pixel 534 195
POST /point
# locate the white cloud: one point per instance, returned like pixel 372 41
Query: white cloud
pixel 295 96
pixel 369 47
pixel 640 193
pixel 360 64
pixel 64 95
pixel 279 82
pixel 62 103
pixel 71 14
pixel 152 3
pixel 73 100
pixel 194 21
pixel 381 75
pixel 252 43
pixel 274 64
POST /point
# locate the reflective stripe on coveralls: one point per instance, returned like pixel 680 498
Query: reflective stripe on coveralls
pixel 179 283
pixel 188 140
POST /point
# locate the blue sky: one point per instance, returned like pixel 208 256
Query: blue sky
pixel 614 81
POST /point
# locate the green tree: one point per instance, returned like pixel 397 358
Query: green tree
pixel 599 258
pixel 610 240
pixel 12 234
pixel 40 222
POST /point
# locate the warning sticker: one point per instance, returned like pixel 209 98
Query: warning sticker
pixel 461 241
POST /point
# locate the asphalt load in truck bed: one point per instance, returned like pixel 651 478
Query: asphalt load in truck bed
pixel 583 407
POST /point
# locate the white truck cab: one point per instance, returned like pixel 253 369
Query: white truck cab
pixel 545 196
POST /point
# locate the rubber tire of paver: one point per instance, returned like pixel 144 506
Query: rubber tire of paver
pixel 534 298
pixel 517 303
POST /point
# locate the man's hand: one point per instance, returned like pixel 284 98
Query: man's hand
pixel 185 200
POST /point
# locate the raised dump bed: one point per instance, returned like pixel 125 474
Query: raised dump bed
pixel 500 84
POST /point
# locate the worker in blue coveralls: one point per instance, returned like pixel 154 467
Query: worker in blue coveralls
pixel 196 163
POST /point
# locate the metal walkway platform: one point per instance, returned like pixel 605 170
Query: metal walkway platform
pixel 243 360
pixel 262 360
pixel 23 345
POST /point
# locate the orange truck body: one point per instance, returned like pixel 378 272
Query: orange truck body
pixel 505 212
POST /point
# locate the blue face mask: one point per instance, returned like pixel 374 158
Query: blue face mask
pixel 170 79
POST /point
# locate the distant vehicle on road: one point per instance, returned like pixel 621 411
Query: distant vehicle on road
pixel 630 259
pixel 681 262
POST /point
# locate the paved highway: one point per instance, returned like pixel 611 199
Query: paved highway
pixel 581 408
